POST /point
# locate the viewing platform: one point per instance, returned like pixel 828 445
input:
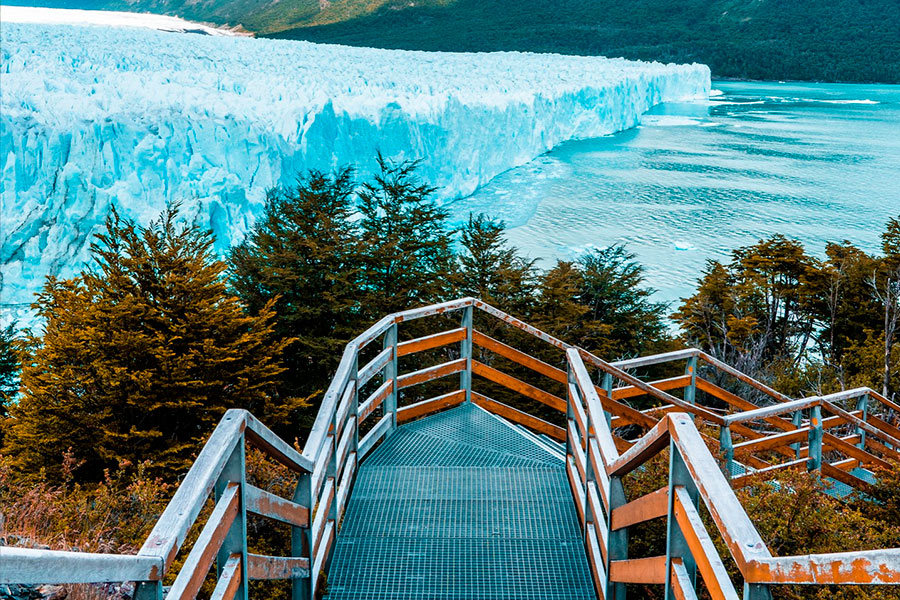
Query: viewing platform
pixel 473 456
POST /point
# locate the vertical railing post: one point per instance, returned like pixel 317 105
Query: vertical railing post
pixel 570 412
pixel 617 540
pixel 690 392
pixel 815 439
pixel 465 351
pixel 390 374
pixel 301 539
pixel 798 421
pixel 607 386
pixel 235 541
pixel 676 543
pixel 863 405
pixel 148 590
pixel 726 445
pixel 757 591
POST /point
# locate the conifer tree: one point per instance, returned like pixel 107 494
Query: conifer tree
pixel 141 355
pixel 9 368
pixel 303 255
pixel 492 270
pixel 408 253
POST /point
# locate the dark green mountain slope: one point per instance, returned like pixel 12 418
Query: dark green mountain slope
pixel 829 40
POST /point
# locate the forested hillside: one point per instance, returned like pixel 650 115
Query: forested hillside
pixel 825 40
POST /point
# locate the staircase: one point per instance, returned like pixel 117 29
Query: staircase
pixel 402 495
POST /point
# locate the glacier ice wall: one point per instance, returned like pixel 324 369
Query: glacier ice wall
pixel 94 116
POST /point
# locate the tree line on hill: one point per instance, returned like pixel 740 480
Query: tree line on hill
pixel 140 355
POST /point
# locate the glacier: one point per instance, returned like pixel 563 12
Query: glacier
pixel 95 116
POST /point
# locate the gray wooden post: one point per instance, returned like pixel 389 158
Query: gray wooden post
pixel 676 544
pixel 690 392
pixel 148 590
pixel 726 445
pixel 301 539
pixel 815 439
pixel 618 539
pixel 608 388
pixel 235 541
pixel 465 351
pixel 863 405
pixel 798 421
pixel 757 591
pixel 390 374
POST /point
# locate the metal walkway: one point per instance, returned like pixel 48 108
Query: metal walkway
pixel 461 505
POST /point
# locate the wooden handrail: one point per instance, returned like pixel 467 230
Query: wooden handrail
pixel 327 465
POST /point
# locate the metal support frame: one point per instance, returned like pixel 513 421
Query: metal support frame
pixel 607 386
pixel 815 439
pixel 301 540
pixel 863 405
pixel 618 539
pixel 235 541
pixel 798 421
pixel 757 591
pixel 390 374
pixel 676 543
pixel 690 392
pixel 465 351
pixel 726 444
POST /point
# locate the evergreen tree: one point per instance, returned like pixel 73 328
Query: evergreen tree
pixel 408 253
pixel 492 270
pixel 9 368
pixel 141 355
pixel 303 255
pixel 612 288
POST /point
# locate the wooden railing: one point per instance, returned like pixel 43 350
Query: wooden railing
pixel 597 421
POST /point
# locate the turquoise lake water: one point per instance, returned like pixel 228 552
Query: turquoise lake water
pixel 815 162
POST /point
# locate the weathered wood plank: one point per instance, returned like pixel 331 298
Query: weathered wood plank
pixel 375 434
pixel 426 407
pixel 836 443
pixel 430 373
pixel 266 504
pixel 265 439
pixel 321 515
pixel 229 580
pixel 877 567
pixel 428 342
pixel 702 547
pixel 773 441
pixel 28 566
pixel 596 558
pixel 639 510
pixel 577 488
pixel 374 366
pixel 650 570
pixel 375 400
pixel 643 450
pixel 738 532
pixel 739 403
pixel 276 567
pixel 517 416
pixel 517 385
pixel 682 587
pixel 201 556
pixel 672 383
pixel 518 357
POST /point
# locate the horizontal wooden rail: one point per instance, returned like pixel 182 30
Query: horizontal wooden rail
pixel 651 570
pixel 425 407
pixel 518 357
pixel 431 373
pixel 517 385
pixel 266 504
pixel 28 566
pixel 429 342
pixel 517 416
pixel 276 567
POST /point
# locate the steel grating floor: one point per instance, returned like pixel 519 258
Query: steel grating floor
pixel 460 505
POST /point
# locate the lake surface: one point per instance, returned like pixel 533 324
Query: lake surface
pixel 815 162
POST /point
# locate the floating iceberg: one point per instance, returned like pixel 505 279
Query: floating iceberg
pixel 95 116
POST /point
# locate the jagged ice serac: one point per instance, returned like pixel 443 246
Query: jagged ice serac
pixel 99 116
